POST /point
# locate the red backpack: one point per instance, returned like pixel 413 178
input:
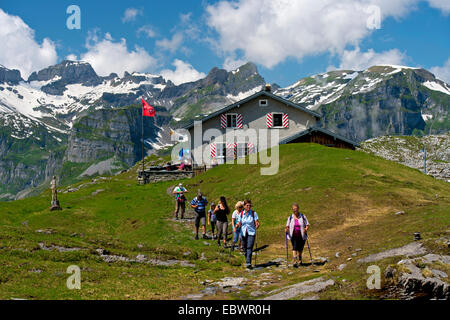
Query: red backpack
pixel 253 215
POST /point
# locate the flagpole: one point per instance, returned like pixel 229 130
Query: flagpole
pixel 143 141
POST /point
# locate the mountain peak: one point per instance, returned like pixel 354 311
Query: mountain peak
pixel 69 71
pixel 248 67
pixel 10 76
pixel 64 73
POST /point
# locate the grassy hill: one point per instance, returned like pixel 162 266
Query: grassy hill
pixel 349 197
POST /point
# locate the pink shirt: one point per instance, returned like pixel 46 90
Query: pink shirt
pixel 302 221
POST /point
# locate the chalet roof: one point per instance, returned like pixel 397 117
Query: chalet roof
pixel 253 96
pixel 325 131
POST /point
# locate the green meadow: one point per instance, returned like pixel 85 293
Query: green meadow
pixel 349 197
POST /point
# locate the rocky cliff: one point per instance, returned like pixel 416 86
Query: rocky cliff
pixel 112 134
pixel 29 159
pixel 382 100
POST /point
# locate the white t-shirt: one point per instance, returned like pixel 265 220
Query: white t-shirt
pixel 235 215
pixel 178 189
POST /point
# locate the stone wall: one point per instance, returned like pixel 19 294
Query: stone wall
pixel 156 176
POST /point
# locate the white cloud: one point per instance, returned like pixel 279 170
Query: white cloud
pixel 72 57
pixel 147 30
pixel 357 60
pixel 184 72
pixel 443 5
pixel 231 63
pixel 171 45
pixel 443 72
pixel 270 31
pixel 19 49
pixel 107 56
pixel 131 14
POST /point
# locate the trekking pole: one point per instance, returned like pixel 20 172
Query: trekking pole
pixel 310 256
pixel 287 251
pixel 256 253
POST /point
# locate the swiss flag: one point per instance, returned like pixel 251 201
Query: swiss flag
pixel 147 110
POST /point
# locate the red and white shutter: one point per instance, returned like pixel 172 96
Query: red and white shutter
pixel 212 148
pixel 251 148
pixel 285 120
pixel 269 120
pixel 231 150
pixel 239 122
pixel 223 121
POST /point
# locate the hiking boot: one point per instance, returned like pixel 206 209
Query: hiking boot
pixel 204 236
pixel 249 266
pixel 196 237
pixel 232 247
pixel 218 243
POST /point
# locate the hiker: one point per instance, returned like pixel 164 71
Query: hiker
pixel 212 218
pixel 221 212
pixel 234 222
pixel 180 200
pixel 296 227
pixel 248 222
pixel 199 204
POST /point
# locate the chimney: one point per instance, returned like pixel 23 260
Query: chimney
pixel 268 88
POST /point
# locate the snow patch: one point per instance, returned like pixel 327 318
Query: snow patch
pixel 243 95
pixel 351 76
pixel 432 85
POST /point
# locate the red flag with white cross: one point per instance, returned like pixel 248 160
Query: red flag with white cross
pixel 147 110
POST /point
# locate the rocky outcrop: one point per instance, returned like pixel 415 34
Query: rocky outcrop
pixel 310 286
pixel 407 151
pixel 412 249
pixel 420 278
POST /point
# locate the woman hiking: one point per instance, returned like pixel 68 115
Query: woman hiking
pixel 221 213
pixel 234 222
pixel 296 227
pixel 248 223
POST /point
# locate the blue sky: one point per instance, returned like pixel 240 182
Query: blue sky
pixel 183 40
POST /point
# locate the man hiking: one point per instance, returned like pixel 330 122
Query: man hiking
pixel 296 227
pixel 199 204
pixel 180 200
pixel 248 222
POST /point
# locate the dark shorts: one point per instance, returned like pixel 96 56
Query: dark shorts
pixel 200 218
pixel 297 243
